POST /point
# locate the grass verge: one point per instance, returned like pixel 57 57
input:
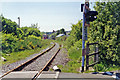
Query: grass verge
pixel 71 67
pixel 16 56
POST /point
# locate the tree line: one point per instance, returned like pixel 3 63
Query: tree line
pixel 16 39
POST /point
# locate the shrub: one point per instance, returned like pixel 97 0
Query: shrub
pixel 75 51
pixel 8 41
pixel 30 42
pixel 11 43
pixel 31 31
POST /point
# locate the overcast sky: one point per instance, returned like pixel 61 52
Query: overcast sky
pixel 49 15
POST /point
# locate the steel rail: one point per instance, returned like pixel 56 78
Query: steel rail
pixel 47 64
pixel 20 67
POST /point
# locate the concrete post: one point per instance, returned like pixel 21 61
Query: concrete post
pixel 19 22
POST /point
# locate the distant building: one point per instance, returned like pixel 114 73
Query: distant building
pixel 60 35
pixel 45 36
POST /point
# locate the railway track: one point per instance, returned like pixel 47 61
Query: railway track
pixel 27 66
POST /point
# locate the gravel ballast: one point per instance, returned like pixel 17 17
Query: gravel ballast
pixel 60 59
pixel 8 67
pixel 40 62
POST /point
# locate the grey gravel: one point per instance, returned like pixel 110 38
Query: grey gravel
pixel 60 59
pixel 40 62
pixel 8 67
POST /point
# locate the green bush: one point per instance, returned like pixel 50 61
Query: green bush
pixel 75 51
pixel 75 34
pixel 19 33
pixel 69 42
pixel 31 31
pixel 11 43
pixel 106 30
pixel 8 26
pixel 8 41
pixel 30 42
pixel 16 39
pixel 99 67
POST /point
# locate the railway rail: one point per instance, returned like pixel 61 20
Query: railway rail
pixel 29 62
pixel 46 65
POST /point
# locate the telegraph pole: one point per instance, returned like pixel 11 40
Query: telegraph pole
pixel 19 22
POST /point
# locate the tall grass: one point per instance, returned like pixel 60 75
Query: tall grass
pixel 74 54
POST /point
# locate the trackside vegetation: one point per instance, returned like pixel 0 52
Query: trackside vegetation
pixel 105 30
pixel 16 56
pixel 19 42
pixel 73 44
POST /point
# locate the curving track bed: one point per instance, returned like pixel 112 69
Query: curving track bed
pixel 39 62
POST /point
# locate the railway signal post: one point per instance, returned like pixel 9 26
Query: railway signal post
pixel 88 16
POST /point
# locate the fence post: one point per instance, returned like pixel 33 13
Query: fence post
pixel 95 52
pixel 87 57
pixel 97 55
